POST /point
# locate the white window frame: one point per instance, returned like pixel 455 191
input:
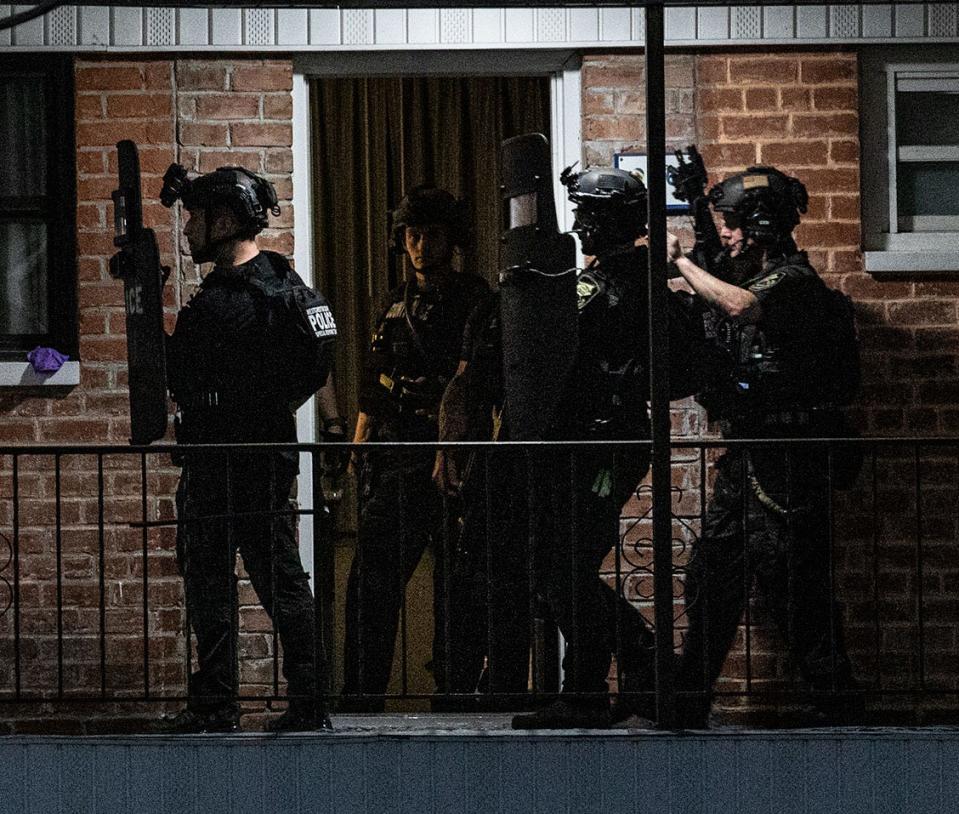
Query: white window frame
pixel 896 244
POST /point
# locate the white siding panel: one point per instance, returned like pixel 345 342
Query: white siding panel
pixel 455 25
pixel 160 27
pixel 583 24
pixel 551 25
pixel 389 26
pixel 424 25
pixel 713 24
pixel 844 22
pixel 292 26
pixel 258 26
pixel 779 22
pixel 194 24
pixel 746 22
pixel 877 21
pixel 5 11
pixel 615 24
pixel 30 32
pixel 325 26
pixel 910 21
pixel 394 26
pixel 62 26
pixel 357 26
pixel 638 19
pixel 680 23
pixel 942 19
pixel 811 22
pixel 226 26
pixel 127 26
pixel 519 25
pixel 487 25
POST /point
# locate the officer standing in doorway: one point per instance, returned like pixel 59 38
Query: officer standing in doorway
pixel 791 343
pixel 413 355
pixel 252 345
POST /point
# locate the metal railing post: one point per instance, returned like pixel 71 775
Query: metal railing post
pixel 659 360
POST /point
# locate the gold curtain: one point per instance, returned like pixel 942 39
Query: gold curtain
pixel 374 139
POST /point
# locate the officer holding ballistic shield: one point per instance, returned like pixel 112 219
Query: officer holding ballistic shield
pixel 252 344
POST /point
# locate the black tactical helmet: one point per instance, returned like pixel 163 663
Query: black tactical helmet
pixel 611 206
pixel 767 201
pixel 424 205
pixel 248 195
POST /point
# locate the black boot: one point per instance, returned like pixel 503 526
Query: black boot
pixel 637 697
pixel 195 721
pixel 567 714
pixel 301 717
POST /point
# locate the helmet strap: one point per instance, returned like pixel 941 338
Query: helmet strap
pixel 213 248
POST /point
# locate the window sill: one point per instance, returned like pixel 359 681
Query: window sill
pixel 22 374
pixel 897 262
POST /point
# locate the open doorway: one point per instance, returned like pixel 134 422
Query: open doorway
pixel 375 138
pixel 371 139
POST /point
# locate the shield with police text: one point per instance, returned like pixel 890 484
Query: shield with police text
pixel 137 264
pixel 538 290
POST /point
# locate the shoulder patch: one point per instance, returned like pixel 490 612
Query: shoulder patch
pixel 321 321
pixel 397 310
pixel 768 281
pixel 586 289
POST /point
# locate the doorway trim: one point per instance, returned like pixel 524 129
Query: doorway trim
pixel 561 66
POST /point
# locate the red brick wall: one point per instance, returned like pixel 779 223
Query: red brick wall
pixel 204 114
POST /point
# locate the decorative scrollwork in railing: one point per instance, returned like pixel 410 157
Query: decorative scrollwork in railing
pixel 6 583
pixel 636 551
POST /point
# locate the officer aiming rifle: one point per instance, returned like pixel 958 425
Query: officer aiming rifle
pixel 793 362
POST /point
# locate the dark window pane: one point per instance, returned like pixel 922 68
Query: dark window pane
pixel 23 143
pixel 23 285
pixel 927 188
pixel 927 118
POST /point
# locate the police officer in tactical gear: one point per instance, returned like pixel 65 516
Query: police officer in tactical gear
pixel 252 344
pixel 578 496
pixel 768 516
pixel 413 355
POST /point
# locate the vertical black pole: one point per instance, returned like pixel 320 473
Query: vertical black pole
pixel 17 670
pixel 59 542
pixel 323 586
pixel 146 576
pixel 659 360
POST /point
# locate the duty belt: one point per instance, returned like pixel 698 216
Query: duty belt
pixel 408 400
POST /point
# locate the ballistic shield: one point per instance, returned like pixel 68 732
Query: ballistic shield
pixel 137 263
pixel 538 290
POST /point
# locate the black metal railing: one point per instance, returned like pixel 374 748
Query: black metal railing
pixel 93 607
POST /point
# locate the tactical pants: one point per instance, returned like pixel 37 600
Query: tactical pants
pixel 490 614
pixel 579 526
pixel 207 543
pixel 778 536
pixel 401 514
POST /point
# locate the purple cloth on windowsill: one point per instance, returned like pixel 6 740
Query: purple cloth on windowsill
pixel 46 360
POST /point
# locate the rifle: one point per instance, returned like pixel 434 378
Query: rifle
pixel 689 180
pixel 137 263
